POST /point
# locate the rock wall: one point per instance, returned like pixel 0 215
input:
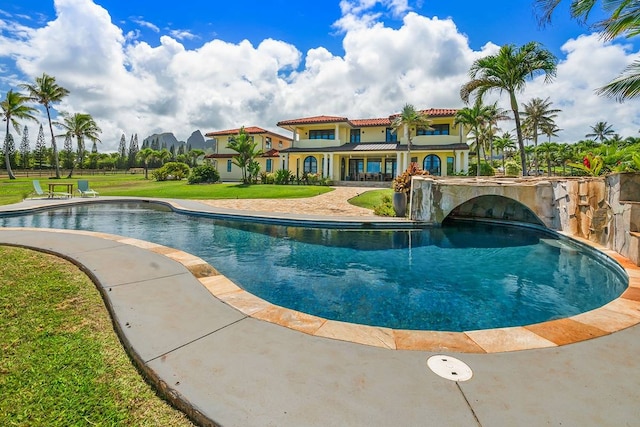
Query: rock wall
pixel 602 210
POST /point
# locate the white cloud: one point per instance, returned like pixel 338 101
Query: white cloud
pixel 182 34
pixel 130 86
pixel 146 24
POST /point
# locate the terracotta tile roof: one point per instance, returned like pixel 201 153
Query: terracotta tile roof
pixel 371 122
pixel 440 112
pixel 271 153
pixel 218 156
pixel 313 120
pixel 250 130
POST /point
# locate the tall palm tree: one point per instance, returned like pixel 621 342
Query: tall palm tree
pixel 46 91
pixel 623 21
pixel 475 119
pixel 601 131
pixel 409 118
pixel 508 71
pixel 79 126
pixel 538 115
pixel 14 108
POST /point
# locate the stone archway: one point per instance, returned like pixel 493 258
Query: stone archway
pixel 495 207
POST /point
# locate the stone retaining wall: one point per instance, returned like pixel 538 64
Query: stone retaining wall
pixel 602 210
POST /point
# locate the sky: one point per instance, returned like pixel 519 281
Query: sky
pixel 143 67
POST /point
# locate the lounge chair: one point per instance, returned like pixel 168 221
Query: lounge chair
pixel 84 190
pixel 39 192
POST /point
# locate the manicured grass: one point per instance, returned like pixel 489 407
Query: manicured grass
pixel 371 199
pixel 62 363
pixel 13 191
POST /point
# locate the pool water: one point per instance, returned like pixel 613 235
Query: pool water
pixel 460 277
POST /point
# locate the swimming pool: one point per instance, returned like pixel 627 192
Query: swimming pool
pixel 460 277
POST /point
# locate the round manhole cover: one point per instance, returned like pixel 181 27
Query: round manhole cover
pixel 450 368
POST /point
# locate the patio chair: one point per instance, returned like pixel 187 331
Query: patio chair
pixel 84 190
pixel 39 192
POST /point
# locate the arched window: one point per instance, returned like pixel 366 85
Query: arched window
pixel 432 164
pixel 310 165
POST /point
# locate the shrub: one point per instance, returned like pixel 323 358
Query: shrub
pixel 171 171
pixel 512 169
pixel 206 174
pixel 485 170
pixel 282 176
pixel 385 208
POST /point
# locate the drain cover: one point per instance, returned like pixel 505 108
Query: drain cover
pixel 450 368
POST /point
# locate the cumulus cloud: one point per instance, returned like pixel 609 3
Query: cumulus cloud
pixel 146 24
pixel 131 86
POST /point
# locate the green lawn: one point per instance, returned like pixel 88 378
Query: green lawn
pixel 62 363
pixel 371 199
pixel 13 191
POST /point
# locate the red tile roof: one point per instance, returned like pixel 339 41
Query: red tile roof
pixel 271 153
pixel 371 122
pixel 250 130
pixel 313 120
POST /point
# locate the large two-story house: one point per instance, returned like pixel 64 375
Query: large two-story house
pixel 269 143
pixel 344 149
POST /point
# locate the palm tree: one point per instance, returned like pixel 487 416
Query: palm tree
pixel 409 118
pixel 247 151
pixel 14 109
pixel 46 91
pixel 79 126
pixel 563 154
pixel 601 131
pixel 193 156
pixel 475 118
pixel 548 150
pixel 146 155
pixel 538 115
pixel 624 20
pixel 502 144
pixel 508 71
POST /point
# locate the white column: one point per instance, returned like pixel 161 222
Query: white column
pixel 399 168
pixel 330 166
pixel 285 161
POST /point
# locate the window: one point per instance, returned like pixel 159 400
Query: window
pixel 435 130
pixel 310 165
pixel 432 164
pixel 374 165
pixel 322 134
pixel 450 166
pixel 391 135
pixel 267 143
pixel 269 167
pixel 229 163
pixel 355 135
pixel 279 144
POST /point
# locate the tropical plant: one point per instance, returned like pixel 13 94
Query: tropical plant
pixel 253 170
pixel 508 71
pixel 548 150
pixel 563 154
pixel 474 118
pixel 14 108
pixel 624 20
pixel 80 126
pixel 194 155
pixel 601 131
pixel 247 150
pixel 410 118
pixel 46 91
pixel 592 165
pixel 402 183
pixel 282 176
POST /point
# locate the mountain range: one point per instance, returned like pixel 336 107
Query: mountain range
pixel 196 140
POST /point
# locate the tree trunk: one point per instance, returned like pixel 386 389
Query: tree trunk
pixel 516 116
pixel 53 145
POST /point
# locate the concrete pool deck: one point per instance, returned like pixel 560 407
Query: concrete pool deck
pixel 225 367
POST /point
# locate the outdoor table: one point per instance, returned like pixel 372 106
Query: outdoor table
pixel 53 185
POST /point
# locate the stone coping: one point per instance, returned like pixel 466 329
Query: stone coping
pixel 621 313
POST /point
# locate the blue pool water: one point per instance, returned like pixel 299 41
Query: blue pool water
pixel 461 277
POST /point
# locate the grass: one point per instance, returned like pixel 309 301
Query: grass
pixel 371 199
pixel 62 363
pixel 13 191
